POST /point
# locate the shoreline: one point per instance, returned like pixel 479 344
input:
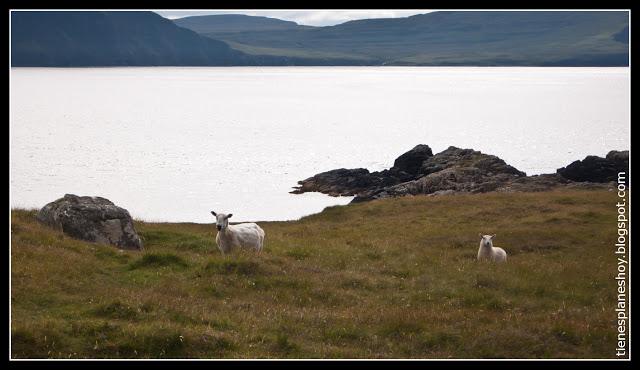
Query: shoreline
pixel 600 187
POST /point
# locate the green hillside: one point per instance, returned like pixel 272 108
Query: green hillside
pixel 235 23
pixel 485 38
pixel 454 38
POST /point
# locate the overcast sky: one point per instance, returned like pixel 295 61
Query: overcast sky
pixel 304 17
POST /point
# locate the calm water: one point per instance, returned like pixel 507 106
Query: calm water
pixel 171 144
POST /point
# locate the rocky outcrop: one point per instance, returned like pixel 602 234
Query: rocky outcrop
pixel 340 182
pixel 597 169
pixel 411 161
pixel 348 182
pixel 93 219
pixel 456 170
pixel 488 165
pixel 453 170
pixel 534 183
pixel 619 158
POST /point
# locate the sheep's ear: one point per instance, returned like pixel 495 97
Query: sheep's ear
pixel 493 236
pixel 229 215
pixel 480 235
pixel 213 213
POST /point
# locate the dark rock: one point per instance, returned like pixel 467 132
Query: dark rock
pixel 619 158
pixel 456 170
pixel 452 156
pixel 535 183
pixel 452 170
pixel 454 179
pixel 338 182
pixel 411 161
pixel 348 182
pixel 597 169
pixel 93 219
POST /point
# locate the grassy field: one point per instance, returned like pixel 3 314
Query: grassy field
pixel 393 278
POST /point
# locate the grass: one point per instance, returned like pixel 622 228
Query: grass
pixel 299 53
pixel 392 278
pixel 155 260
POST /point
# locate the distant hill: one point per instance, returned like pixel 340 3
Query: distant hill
pixel 116 38
pixel 89 38
pixel 139 38
pixel 454 38
pixel 224 23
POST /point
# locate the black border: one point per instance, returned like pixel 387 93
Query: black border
pixel 315 4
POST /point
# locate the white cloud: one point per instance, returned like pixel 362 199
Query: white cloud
pixel 304 17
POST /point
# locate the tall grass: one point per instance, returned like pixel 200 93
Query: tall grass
pixel 392 278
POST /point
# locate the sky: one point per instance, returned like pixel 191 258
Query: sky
pixel 303 17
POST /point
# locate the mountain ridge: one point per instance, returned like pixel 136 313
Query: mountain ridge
pixel 235 23
pixel 501 38
pixel 441 38
pixel 94 38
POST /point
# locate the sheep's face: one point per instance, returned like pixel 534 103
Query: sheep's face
pixel 222 220
pixel 487 240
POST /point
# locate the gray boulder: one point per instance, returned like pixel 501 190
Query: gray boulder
pixel 93 219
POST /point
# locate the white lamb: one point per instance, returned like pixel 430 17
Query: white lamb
pixel 488 252
pixel 246 235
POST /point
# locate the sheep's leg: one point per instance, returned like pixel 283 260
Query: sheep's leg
pixel 261 242
pixel 224 250
pixel 260 246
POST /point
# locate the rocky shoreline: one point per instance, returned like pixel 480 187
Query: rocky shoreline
pixel 456 170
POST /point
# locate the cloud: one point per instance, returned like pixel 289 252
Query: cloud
pixel 304 17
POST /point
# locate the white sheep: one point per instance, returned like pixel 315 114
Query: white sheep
pixel 246 235
pixel 488 252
